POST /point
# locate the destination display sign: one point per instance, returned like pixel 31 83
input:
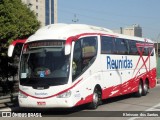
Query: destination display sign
pixel 46 43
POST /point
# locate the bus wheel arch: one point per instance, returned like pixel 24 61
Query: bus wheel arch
pixel 145 87
pixel 97 97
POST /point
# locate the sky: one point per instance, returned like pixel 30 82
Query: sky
pixel 113 14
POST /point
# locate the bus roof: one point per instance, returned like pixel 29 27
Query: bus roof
pixel 62 31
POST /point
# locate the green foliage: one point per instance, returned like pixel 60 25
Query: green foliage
pixel 16 21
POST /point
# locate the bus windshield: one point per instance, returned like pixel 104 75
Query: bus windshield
pixel 44 64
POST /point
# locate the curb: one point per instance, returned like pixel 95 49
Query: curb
pixel 9 96
pixel 7 102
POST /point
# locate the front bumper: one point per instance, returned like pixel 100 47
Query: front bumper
pixel 46 103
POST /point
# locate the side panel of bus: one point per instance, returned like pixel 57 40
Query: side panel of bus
pixel 124 67
pixel 86 62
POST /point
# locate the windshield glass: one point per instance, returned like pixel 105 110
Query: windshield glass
pixel 44 63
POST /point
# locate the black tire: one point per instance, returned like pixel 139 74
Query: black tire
pixel 140 89
pixel 145 88
pixel 96 99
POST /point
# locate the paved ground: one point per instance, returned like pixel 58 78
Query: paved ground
pixel 125 104
pixel 151 102
pixel 8 101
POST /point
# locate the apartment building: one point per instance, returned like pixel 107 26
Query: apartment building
pixel 45 10
pixel 134 30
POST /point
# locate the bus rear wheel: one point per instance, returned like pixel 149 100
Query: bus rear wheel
pixel 96 99
pixel 140 89
pixel 145 88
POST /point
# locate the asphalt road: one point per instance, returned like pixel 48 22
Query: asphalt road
pixel 127 105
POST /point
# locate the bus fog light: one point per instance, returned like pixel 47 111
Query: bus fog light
pixel 21 95
pixel 65 95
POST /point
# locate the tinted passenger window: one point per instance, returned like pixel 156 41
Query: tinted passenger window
pixel 121 46
pixel 133 47
pixel 107 45
pixel 150 51
pixel 110 45
pixel 85 51
pixel 144 50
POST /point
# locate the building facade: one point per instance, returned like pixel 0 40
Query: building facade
pixel 45 10
pixel 134 30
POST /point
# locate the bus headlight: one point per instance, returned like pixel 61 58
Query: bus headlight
pixel 21 95
pixel 65 95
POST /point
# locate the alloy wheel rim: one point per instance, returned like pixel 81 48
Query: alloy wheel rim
pixel 95 98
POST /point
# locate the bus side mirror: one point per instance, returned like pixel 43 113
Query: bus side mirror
pixel 12 46
pixel 10 50
pixel 67 49
pixel 69 43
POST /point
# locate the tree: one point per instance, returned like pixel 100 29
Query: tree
pixel 17 21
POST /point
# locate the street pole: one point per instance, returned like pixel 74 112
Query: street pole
pixel 75 19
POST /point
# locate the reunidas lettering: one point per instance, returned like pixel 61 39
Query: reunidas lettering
pixel 122 63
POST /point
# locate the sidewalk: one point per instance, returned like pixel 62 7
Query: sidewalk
pixel 8 101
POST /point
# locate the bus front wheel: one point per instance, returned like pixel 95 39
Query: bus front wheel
pixel 96 99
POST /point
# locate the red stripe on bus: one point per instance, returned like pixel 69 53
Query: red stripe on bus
pixel 76 37
pixel 51 95
pixel 127 87
pixel 18 41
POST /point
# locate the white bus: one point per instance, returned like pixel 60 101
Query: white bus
pixel 67 65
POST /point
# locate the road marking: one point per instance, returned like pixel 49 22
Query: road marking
pixel 153 108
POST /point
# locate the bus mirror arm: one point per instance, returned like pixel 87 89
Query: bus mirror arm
pixel 69 43
pixel 12 46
